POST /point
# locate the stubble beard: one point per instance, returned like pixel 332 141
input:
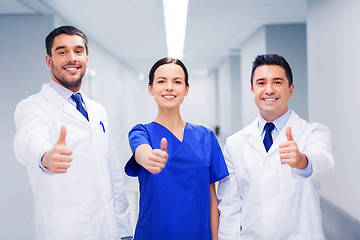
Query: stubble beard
pixel 65 83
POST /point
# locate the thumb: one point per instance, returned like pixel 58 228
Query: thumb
pixel 62 136
pixel 163 144
pixel 288 134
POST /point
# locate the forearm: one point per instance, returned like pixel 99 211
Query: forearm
pixel 214 213
pixel 142 154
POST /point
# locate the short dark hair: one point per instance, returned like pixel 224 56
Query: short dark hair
pixel 69 30
pixel 167 60
pixel 272 59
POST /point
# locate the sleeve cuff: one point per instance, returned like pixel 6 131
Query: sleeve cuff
pixel 41 166
pixel 306 172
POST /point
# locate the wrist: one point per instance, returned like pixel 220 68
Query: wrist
pixel 303 161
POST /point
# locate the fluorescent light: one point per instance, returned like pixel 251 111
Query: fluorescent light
pixel 175 13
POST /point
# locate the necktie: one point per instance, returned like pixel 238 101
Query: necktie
pixel 268 141
pixel 78 99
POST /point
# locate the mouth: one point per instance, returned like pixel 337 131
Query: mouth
pixel 269 100
pixel 72 68
pixel 169 96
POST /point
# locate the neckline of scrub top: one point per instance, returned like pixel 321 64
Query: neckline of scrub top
pixel 186 124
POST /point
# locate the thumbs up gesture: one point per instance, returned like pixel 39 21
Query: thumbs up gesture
pixel 158 158
pixel 58 159
pixel 153 160
pixel 289 152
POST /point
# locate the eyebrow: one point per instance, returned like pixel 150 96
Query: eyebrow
pixel 62 47
pixel 276 78
pixel 175 78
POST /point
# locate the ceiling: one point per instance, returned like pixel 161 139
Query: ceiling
pixel 134 30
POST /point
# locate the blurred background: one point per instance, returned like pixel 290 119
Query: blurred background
pixel 319 38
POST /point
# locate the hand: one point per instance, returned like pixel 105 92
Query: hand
pixel 289 152
pixel 58 159
pixel 157 158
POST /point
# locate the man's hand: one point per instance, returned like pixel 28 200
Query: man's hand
pixel 58 159
pixel 289 152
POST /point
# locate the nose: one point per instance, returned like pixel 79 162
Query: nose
pixel 269 88
pixel 72 57
pixel 169 87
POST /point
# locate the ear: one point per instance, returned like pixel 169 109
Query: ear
pixel 48 61
pixel 292 90
pixel 87 59
pixel 150 90
pixel 252 91
pixel 187 90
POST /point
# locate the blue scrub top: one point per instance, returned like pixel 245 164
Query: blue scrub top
pixel 175 203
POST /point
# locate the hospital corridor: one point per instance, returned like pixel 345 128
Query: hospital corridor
pixel 217 41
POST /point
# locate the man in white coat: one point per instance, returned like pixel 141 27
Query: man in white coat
pixel 64 140
pixel 272 191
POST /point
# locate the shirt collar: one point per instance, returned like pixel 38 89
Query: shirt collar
pixel 63 91
pixel 279 123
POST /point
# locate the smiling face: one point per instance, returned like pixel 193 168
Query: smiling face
pixel 168 87
pixel 68 61
pixel 271 91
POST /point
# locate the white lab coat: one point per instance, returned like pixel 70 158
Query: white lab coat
pixel 88 201
pixel 262 199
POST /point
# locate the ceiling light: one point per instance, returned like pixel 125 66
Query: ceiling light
pixel 175 12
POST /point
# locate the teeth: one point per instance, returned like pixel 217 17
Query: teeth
pixel 71 69
pixel 169 97
pixel 269 99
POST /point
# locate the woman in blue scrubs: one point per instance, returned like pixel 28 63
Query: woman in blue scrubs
pixel 177 164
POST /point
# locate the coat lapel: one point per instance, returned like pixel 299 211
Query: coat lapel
pixel 255 140
pixel 60 103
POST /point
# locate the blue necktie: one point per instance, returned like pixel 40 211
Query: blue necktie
pixel 78 99
pixel 268 141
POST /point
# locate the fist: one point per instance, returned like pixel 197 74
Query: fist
pixel 58 159
pixel 158 158
pixel 289 152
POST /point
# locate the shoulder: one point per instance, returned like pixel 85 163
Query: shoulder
pixel 246 131
pixel 32 103
pixel 140 129
pixel 306 127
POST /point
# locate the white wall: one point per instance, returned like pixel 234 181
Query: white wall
pixel 224 98
pixel 333 30
pixel 23 71
pixel 199 105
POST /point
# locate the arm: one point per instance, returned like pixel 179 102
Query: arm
pixel 230 202
pixel 214 213
pixel 153 160
pixel 32 143
pixel 317 149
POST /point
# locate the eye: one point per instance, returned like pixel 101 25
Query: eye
pixel 79 51
pixel 260 83
pixel 61 52
pixel 278 82
pixel 178 82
